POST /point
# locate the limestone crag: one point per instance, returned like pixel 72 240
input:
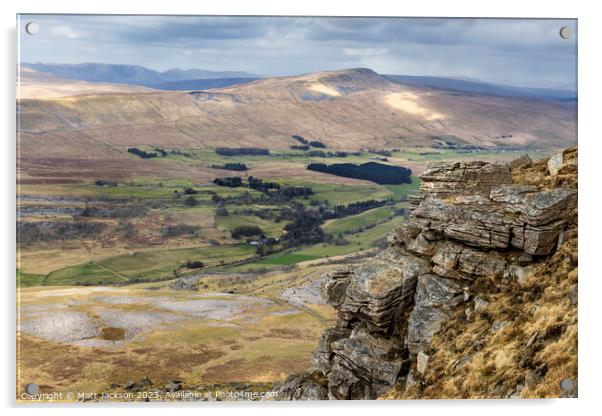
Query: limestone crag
pixel 380 290
pixel 469 222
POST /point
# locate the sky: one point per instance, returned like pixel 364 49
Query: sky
pixel 520 52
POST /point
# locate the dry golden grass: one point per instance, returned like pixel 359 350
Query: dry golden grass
pixel 537 174
pixel 536 350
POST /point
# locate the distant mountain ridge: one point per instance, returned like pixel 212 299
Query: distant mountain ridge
pixel 133 74
pixel 481 87
pixel 200 79
pixel 346 110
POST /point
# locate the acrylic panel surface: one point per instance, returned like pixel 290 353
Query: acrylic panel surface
pixel 295 208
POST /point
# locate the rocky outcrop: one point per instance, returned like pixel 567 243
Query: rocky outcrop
pixel 471 221
pixel 442 179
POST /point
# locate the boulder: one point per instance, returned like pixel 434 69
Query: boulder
pixel 546 207
pixel 173 385
pixel 562 161
pixel 518 273
pixel 568 388
pixel 306 386
pixel 422 361
pixel 555 163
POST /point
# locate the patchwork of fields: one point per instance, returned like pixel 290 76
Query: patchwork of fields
pixel 165 278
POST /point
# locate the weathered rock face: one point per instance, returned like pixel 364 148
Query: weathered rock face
pixel 364 365
pixel 499 216
pixel 469 222
pixel 463 178
pixel 380 290
pixel 434 299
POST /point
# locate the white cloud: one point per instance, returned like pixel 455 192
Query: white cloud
pixel 65 31
pixel 365 51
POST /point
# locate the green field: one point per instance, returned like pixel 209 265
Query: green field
pixel 286 259
pixel 148 265
pixel 355 222
pixel 230 222
pixel 29 279
pixel 357 242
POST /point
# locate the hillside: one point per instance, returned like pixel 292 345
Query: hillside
pixel 203 83
pixel 346 110
pixel 42 86
pixel 476 297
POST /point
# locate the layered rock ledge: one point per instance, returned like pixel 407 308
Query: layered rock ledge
pixel 470 221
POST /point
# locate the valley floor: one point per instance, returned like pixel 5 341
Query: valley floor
pixel 96 339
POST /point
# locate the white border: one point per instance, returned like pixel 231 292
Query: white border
pixel 590 144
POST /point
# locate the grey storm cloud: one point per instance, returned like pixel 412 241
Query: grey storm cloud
pixel 527 52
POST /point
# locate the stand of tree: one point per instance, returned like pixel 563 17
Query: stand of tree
pixel 245 151
pixel 246 231
pixel 370 171
pixel 253 183
pixel 260 185
pixel 104 182
pixel 318 144
pixel 294 191
pixel 194 264
pixel 381 152
pixel 322 153
pixel 305 228
pixel 231 181
pixel 45 231
pixel 231 166
pixel 300 139
pixel 306 143
pixel 354 208
pixel 142 153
